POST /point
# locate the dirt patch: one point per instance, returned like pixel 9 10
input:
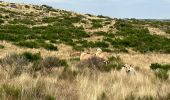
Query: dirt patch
pixel 157 31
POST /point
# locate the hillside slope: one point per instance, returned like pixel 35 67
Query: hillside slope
pixel 33 26
pixel 40 48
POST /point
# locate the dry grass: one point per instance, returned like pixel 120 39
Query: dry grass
pixel 92 85
pixel 72 84
pixel 144 60
pixel 157 31
pixel 64 50
pixel 97 86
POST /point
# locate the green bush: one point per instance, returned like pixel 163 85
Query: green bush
pixel 168 31
pixel 1 46
pixel 31 57
pixel 162 74
pixel 1 21
pixel 139 39
pixel 115 63
pixel 48 63
pixel 49 97
pixel 100 33
pixel 103 96
pixel 22 21
pixel 50 47
pixel 161 71
pixel 97 23
pixel 155 66
pixel 12 92
pixel 132 96
pixel 29 44
pixel 101 44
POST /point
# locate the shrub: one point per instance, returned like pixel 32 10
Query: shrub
pixel 122 24
pixel 114 63
pixel 162 74
pixel 155 66
pixel 101 44
pixel 97 23
pixel 146 98
pixel 96 63
pixel 48 63
pixel 89 15
pixel 29 44
pixel 103 96
pixel 131 96
pixel 14 64
pixel 1 21
pixel 22 21
pixel 100 33
pixel 12 92
pixel 139 39
pixel 106 50
pixel 49 97
pixel 78 48
pixel 31 57
pixel 168 31
pixel 161 71
pixel 50 47
pixel 1 46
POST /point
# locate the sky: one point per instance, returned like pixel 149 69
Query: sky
pixel 139 9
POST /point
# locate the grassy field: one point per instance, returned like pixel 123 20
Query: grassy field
pixel 40 48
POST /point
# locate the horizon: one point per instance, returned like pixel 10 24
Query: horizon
pixel 138 9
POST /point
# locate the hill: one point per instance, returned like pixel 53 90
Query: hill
pixel 40 48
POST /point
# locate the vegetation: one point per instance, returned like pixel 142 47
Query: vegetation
pixel 1 21
pixel 31 57
pixel 161 71
pixel 97 23
pixel 139 39
pixel 1 47
pixel 22 21
pixel 61 75
pixel 96 63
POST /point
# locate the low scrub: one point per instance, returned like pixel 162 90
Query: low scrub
pixel 11 92
pixel 1 21
pixel 38 44
pixel 155 66
pixel 161 71
pixel 139 39
pixel 97 23
pixel 22 21
pixel 31 57
pixel 48 63
pixel 14 64
pixel 96 63
pixel 1 46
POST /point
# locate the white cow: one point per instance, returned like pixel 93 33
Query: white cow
pixel 128 69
